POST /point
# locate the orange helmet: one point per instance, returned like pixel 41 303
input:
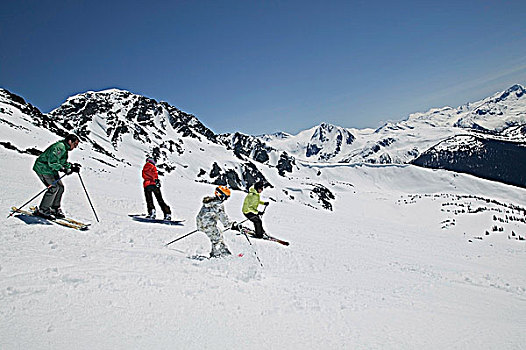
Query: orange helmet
pixel 222 192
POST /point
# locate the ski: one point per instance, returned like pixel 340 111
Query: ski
pixel 198 257
pixel 66 222
pixel 204 257
pixel 143 218
pixel 265 237
pixel 71 221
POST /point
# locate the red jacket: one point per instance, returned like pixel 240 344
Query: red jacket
pixel 149 174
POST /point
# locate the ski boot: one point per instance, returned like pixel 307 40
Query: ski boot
pixel 58 213
pixel 219 250
pixel 44 213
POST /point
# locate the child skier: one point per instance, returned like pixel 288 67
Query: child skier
pixel 212 211
pixel 152 185
pixel 250 208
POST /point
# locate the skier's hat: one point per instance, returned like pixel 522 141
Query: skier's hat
pixel 150 160
pixel 258 185
pixel 222 192
pixel 72 137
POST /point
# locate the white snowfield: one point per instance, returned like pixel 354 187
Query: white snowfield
pixel 395 265
pixel 408 258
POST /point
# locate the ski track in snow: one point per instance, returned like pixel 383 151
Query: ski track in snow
pixel 375 273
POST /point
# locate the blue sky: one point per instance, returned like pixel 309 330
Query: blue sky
pixel 266 66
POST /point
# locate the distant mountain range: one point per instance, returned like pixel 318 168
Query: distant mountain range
pixel 486 138
pixel 401 142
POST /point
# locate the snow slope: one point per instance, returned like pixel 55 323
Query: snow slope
pixel 405 257
pixel 379 271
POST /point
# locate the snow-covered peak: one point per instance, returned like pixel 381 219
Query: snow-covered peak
pixel 108 94
pixel 324 142
pixel 8 98
pixel 112 91
pixel 403 141
pixel 498 112
pixel 328 141
pixel 515 92
pixel 275 136
pixel 17 113
pixel 113 113
pixel 494 113
pixel 435 116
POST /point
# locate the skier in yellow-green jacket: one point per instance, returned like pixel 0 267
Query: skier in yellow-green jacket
pixel 250 208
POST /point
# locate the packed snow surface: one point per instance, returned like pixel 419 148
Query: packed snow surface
pixel 408 259
pixel 400 258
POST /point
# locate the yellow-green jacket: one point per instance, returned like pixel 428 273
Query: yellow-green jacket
pixel 250 205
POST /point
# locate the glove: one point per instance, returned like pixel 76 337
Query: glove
pixel 157 183
pixel 235 226
pixel 260 213
pixel 266 203
pixel 75 167
pixel 66 170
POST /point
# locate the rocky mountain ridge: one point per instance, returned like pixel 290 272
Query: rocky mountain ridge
pixel 402 142
pixel 119 129
pixel 114 121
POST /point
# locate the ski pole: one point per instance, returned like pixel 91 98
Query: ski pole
pixel 175 240
pixel 263 212
pixel 255 253
pixel 194 231
pixel 39 193
pixel 87 195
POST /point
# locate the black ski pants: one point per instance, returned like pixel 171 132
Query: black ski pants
pixel 151 190
pixel 258 223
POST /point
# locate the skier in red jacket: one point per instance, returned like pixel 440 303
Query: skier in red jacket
pixel 152 185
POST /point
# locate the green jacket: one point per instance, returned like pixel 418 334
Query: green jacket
pixel 53 159
pixel 250 205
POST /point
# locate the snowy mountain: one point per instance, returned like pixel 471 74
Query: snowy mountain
pixel 323 143
pixel 327 142
pixel 381 256
pixel 109 118
pixel 495 146
pixel 497 120
pixel 23 127
pixel 119 129
pixel 251 147
pixel 402 142
pixel 497 112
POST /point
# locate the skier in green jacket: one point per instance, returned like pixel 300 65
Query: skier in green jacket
pixel 250 208
pixel 47 166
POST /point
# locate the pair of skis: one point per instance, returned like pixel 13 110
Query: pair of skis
pixel 246 232
pixel 66 222
pixel 266 237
